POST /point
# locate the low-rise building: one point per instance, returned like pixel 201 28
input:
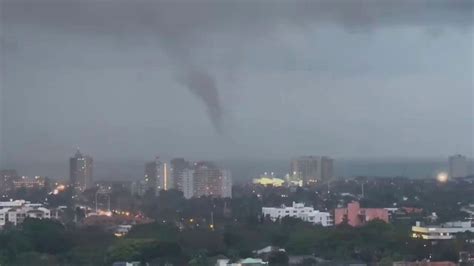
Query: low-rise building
pixel 299 211
pixel 441 232
pixel 242 262
pixel 15 212
pixel 357 216
pixel 29 182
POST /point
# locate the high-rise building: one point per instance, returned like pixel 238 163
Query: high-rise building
pixel 80 171
pixel 211 181
pixel 178 166
pixel 327 168
pixel 458 166
pixel 306 167
pixel 188 183
pixel 156 175
pixel 312 169
pixel 226 187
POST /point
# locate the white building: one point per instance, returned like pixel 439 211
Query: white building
pixel 440 232
pixel 226 184
pixel 299 211
pixel 188 183
pixel 16 211
pixel 458 165
pixel 242 262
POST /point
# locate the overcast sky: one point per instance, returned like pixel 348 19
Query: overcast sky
pixel 236 78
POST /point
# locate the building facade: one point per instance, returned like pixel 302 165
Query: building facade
pixel 80 171
pixel 458 166
pixel 357 216
pixel 29 182
pixel 208 180
pixel 299 211
pixel 178 166
pixel 15 212
pixel 313 169
pixel 441 232
pixel 188 183
pixel 157 176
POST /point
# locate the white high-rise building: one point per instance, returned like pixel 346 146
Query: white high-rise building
pixel 226 184
pixel 458 166
pixel 299 211
pixel 188 183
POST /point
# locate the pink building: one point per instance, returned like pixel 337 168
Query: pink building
pixel 357 216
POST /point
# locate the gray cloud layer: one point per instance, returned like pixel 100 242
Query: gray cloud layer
pixel 178 24
pixel 185 32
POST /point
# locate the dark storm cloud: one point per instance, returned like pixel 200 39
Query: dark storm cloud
pixel 177 25
pixel 204 87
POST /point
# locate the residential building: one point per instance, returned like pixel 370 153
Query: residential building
pixel 226 186
pixel 27 182
pixel 424 263
pixel 357 216
pixel 156 175
pixel 307 168
pixel 441 232
pixel 177 168
pixel 188 183
pixel 139 187
pixel 208 180
pixel 299 211
pixel 80 171
pixel 458 166
pixel 312 169
pixel 15 212
pixel 327 168
pixel 242 262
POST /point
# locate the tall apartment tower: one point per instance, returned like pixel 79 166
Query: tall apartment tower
pixel 188 183
pixel 178 167
pixel 458 166
pixel 156 175
pixel 327 168
pixel 80 171
pixel 211 181
pixel 313 169
pixel 307 168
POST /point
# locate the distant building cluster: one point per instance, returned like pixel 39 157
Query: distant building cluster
pixel 15 212
pixel 193 179
pixel 353 214
pixel 304 171
pixel 10 180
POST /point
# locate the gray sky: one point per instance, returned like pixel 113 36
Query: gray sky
pixel 236 78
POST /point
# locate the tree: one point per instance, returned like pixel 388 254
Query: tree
pixel 278 258
pixel 46 236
